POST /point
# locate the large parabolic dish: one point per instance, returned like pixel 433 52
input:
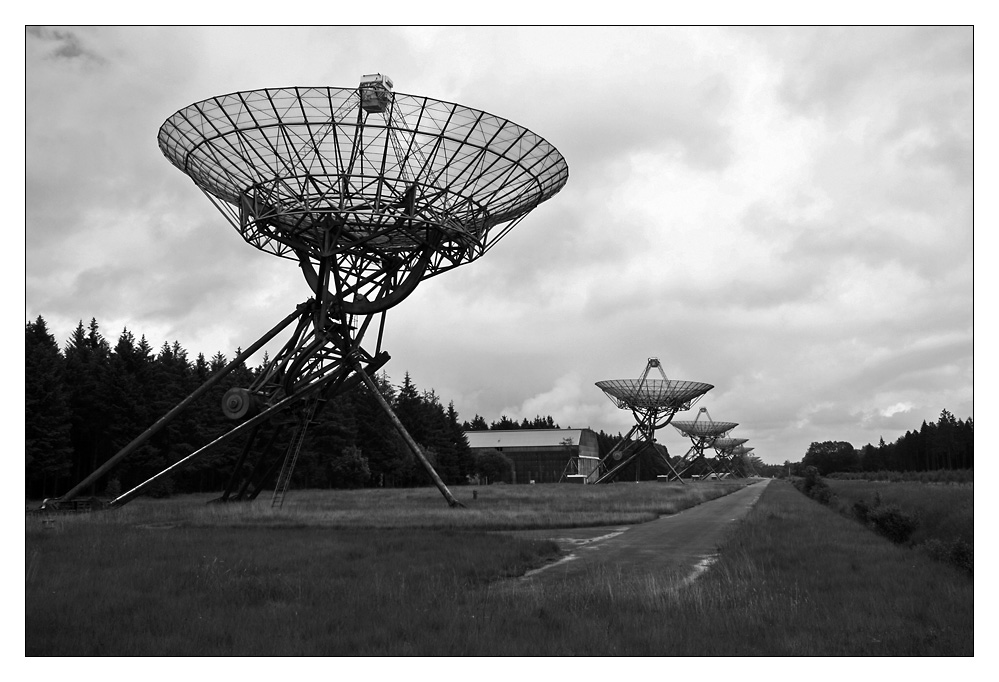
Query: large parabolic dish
pixel 726 444
pixel 704 429
pixel 702 433
pixel 371 191
pixel 665 395
pixel 653 402
pixel 707 428
pixel 394 187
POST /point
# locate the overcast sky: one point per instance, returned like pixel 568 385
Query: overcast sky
pixel 784 213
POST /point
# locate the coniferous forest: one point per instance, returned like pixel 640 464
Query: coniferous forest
pixel 86 401
pixel 948 444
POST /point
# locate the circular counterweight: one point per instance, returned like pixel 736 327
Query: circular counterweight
pixel 239 403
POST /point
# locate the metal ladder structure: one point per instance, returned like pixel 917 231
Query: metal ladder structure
pixel 291 457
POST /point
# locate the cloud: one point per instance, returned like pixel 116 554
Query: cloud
pixel 59 44
pixel 895 409
pixel 785 213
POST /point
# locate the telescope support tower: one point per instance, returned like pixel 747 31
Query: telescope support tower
pixel 371 191
pixel 653 403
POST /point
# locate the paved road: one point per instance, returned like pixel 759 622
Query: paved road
pixel 684 543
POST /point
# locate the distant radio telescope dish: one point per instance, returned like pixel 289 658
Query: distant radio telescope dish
pixel 653 402
pixel 726 444
pixel 703 434
pixel 703 429
pixel 732 453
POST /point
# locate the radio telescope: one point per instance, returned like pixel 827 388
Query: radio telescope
pixel 739 456
pixel 702 434
pixel 653 402
pixel 725 447
pixel 370 191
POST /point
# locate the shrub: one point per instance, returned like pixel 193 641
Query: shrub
pixel 889 520
pixel 962 554
pixel 349 470
pixel 494 466
pixel 958 552
pixel 813 486
pixel 861 510
pixel 113 488
pixel 821 493
pixel 812 479
pixel 160 488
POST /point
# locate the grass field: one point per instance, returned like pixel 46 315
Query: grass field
pixel 494 507
pixel 178 578
pixel 942 511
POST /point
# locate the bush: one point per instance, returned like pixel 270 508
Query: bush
pixel 160 488
pixel 958 552
pixel 861 510
pixel 349 470
pixel 113 488
pixel 813 486
pixel 821 493
pixel 812 479
pixel 889 520
pixel 494 466
pixel 962 554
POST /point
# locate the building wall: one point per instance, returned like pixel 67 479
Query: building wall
pixel 547 463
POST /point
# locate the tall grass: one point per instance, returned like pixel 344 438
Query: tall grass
pixel 109 590
pixel 794 579
pixel 955 476
pixel 494 507
pixel 943 517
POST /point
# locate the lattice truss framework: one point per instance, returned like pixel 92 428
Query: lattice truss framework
pixel 654 403
pixel 739 458
pixel 702 434
pixel 392 196
pixel 730 453
pixel 371 191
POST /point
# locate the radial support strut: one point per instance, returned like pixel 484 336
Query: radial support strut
pixel 369 382
pixel 172 414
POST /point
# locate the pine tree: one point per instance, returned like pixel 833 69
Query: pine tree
pixel 87 365
pixel 47 448
pixel 504 424
pixel 128 382
pixel 478 423
pixel 459 462
pixel 331 455
pixel 387 455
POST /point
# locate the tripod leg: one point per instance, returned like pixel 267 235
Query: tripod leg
pixel 408 438
pixel 258 464
pixel 169 416
pixel 239 465
pixel 601 465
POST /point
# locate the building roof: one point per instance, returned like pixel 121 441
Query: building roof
pixel 523 438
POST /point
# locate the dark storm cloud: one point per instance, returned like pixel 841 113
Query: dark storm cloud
pixel 62 44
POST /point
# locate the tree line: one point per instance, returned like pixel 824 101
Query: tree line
pixel 949 444
pixel 85 402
